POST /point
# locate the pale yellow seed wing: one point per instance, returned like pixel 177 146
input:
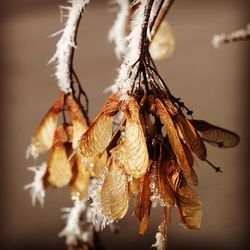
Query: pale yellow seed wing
pixel 114 196
pixel 163 43
pixel 59 171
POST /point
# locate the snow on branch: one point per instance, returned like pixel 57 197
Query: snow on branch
pixel 117 32
pixel 66 44
pixel 125 76
pixel 73 230
pixel 37 189
pixel 239 35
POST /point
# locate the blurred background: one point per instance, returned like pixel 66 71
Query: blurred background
pixel 212 82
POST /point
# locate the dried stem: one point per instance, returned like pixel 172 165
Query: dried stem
pixel 163 10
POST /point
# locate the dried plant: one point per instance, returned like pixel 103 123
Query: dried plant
pixel 142 144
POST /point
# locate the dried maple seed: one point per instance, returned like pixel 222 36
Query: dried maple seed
pixel 144 203
pixel 192 138
pixel 132 150
pixel 216 135
pixel 175 141
pixel 98 136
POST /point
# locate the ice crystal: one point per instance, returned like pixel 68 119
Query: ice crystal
pixel 62 56
pixel 36 187
pixel 73 231
pixel 117 32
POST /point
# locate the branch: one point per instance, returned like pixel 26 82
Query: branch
pixel 239 35
pixel 162 12
pixel 66 45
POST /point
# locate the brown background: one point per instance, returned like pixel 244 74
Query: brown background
pixel 213 83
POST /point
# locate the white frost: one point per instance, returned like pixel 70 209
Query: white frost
pixel 32 151
pixel 161 240
pixel 62 56
pixel 127 72
pixel 73 230
pixel 36 187
pixel 94 213
pixel 159 244
pixel 117 32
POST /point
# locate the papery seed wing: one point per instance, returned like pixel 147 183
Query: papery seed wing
pixel 144 203
pixel 192 138
pixel 132 150
pixel 59 171
pixel 114 194
pixel 99 134
pixel 80 179
pixel 99 163
pixel 163 42
pixel 175 141
pixel 44 136
pixel 216 135
pixel 165 188
pixel 190 207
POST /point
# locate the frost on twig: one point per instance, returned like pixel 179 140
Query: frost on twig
pixel 95 215
pixel 239 35
pixel 67 44
pixel 117 32
pixel 36 187
pixel 127 71
pixel 75 231
pixel 160 243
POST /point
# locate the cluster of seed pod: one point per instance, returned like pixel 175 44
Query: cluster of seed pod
pixel 154 139
pixel 64 166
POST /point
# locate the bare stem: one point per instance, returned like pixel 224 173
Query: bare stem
pixel 163 10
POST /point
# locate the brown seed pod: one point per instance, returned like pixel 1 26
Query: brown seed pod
pixel 192 138
pixel 99 134
pixel 175 141
pixel 80 179
pixel 190 159
pixel 216 135
pixel 187 200
pixel 132 150
pixel 165 188
pixel 144 203
pixel 114 194
pixel 59 171
pixel 190 207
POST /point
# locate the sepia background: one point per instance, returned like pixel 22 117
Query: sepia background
pixel 212 82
